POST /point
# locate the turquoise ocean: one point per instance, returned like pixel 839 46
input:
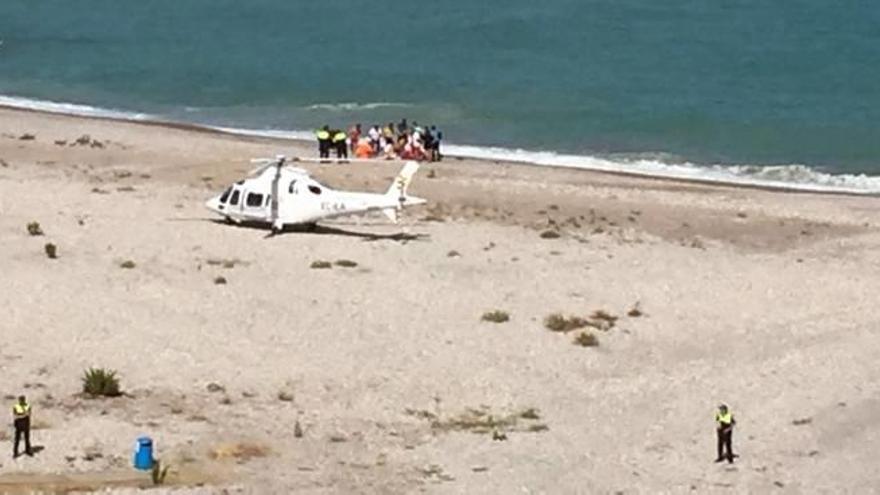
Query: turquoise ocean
pixel 784 93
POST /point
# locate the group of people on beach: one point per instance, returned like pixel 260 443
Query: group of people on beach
pixel 401 141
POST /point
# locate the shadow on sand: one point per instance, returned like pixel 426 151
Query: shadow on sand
pixel 315 229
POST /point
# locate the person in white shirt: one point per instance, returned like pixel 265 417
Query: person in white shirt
pixel 374 138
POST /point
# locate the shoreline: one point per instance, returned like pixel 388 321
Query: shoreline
pixel 258 136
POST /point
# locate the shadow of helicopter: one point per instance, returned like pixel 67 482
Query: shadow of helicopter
pixel 317 229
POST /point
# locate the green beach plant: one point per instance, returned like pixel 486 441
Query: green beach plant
pixel 159 473
pixel 101 382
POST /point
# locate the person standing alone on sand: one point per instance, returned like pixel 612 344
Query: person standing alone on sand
pixel 21 413
pixel 724 426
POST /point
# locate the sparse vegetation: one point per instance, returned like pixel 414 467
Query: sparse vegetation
pixel 586 339
pixel 101 382
pixel 321 265
pixel 530 413
pixel 635 311
pixel 297 430
pixel 496 316
pixel 285 396
pixel 239 451
pixel 225 263
pixel 346 263
pixel 482 420
pixel 432 174
pixel 51 250
pixel 453 254
pixel 214 387
pixel 601 314
pixel 127 264
pixel 550 234
pixel 159 473
pixel 602 320
pixel 220 280
pixel 557 322
pixel 34 229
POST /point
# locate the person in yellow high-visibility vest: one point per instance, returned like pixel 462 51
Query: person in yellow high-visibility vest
pixel 724 423
pixel 21 414
pixel 323 135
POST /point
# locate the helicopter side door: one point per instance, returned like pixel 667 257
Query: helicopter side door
pixel 255 204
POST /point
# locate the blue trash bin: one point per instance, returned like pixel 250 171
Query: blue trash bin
pixel 143 454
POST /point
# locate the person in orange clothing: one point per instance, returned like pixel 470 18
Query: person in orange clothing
pixel 364 149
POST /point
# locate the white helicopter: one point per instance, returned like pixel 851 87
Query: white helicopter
pixel 278 194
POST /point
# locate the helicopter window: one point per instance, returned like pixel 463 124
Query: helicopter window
pixel 234 199
pixel 315 189
pixel 225 195
pixel 292 183
pixel 254 199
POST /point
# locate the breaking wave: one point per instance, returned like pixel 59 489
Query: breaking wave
pixel 353 106
pixel 70 108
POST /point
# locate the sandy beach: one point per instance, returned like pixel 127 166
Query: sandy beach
pixel 764 300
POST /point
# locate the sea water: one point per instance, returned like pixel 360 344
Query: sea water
pixel 743 90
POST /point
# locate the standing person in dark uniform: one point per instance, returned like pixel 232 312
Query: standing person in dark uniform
pixel 724 422
pixel 339 138
pixel 21 413
pixel 435 149
pixel 323 135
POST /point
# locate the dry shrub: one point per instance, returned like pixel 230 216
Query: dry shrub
pixel 482 420
pixel 34 229
pixel 51 250
pixel 127 264
pixel 600 314
pixel 635 311
pixel 602 320
pixel 220 280
pixel 586 339
pixel 346 263
pixel 550 234
pixel 530 413
pixel 557 322
pixel 225 263
pixel 239 451
pixel 321 265
pixel 496 316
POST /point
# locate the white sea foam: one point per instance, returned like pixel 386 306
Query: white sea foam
pixel 790 177
pixel 353 106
